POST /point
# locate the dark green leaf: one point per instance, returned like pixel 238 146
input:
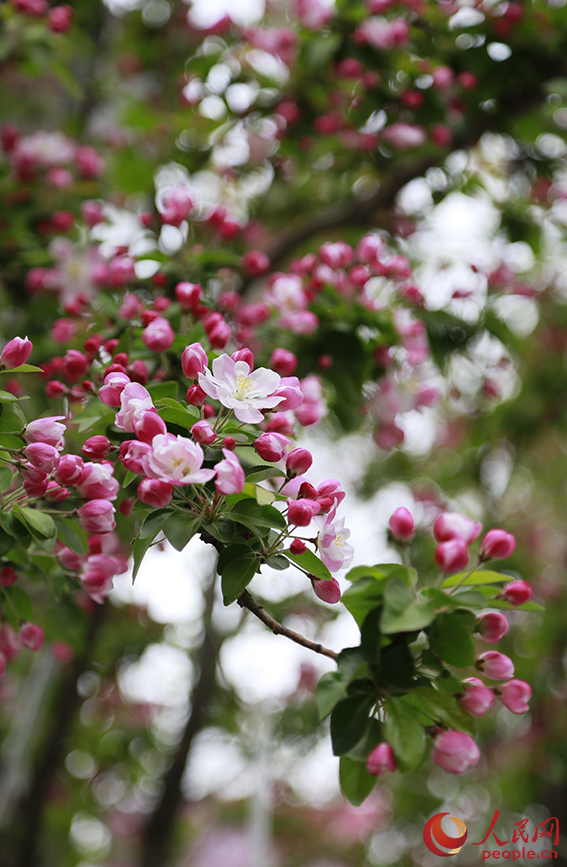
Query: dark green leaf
pixel 21 601
pixel 162 389
pixel 278 562
pixel 236 575
pixel 139 548
pixel 72 535
pixel 311 563
pixel 397 667
pixel 356 782
pixel 251 514
pixel 364 595
pixel 401 612
pixel 12 419
pixel 349 719
pixel 153 523
pixel 443 707
pixel 6 479
pixel 450 638
pixel 223 530
pixel 259 473
pixel 37 521
pixel 404 733
pixel 180 528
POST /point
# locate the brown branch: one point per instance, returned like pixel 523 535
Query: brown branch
pixel 245 600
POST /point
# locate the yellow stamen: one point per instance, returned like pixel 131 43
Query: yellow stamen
pixel 339 541
pixel 243 386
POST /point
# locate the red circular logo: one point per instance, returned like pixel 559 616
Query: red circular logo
pixel 434 834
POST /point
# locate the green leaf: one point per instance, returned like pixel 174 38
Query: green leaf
pixel 450 638
pixel 261 472
pixel 401 612
pixel 251 514
pixel 6 479
pixel 139 548
pixel 364 595
pixel 180 528
pixel 444 708
pixel 405 734
pixel 177 415
pixel 153 523
pixel 356 782
pixel 12 419
pixel 222 529
pixel 24 368
pixel 237 573
pixel 333 685
pixel 349 719
pixel 278 562
pixel 263 496
pixel 382 571
pixel 482 576
pixel 397 668
pixel 311 563
pixel 40 522
pixel 21 601
pixel 6 397
pixel 72 535
pixel 162 389
pixel 11 526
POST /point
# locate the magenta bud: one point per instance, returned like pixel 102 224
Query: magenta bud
pixel 402 525
pixel 97 516
pixel 194 360
pixel 327 591
pixel 202 432
pixel 451 525
pixel 283 362
pixel 452 556
pixel 159 335
pixel 515 695
pixel 497 545
pixel 271 446
pixel 244 355
pixel 148 426
pixel 16 352
pixel 298 546
pixel 492 627
pixel 195 395
pixel 298 462
pixel 495 666
pixel 455 752
pixel 155 493
pixel 188 294
pixel 43 456
pixel 229 443
pixel 97 447
pixel 69 469
pixel 300 512
pixel 517 592
pixel 381 760
pixel 8 576
pixel 31 636
pixel 477 700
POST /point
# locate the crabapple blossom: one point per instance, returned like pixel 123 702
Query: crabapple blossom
pixel 177 460
pixel 194 360
pixel 495 666
pixel 230 475
pixel 202 432
pixel 188 296
pixel 283 361
pixel 97 447
pixel 313 14
pixel 114 384
pixel 290 391
pixel 8 576
pixel 271 446
pixel 244 354
pixel 517 592
pixel 452 556
pixel 35 481
pixel 69 469
pixel 298 462
pixel 135 400
pixel 515 695
pixel 16 352
pixel 301 512
pixel 381 760
pixel 236 387
pixel 497 545
pixel 97 482
pixel 176 206
pixel 455 752
pixel 45 430
pixel 402 524
pixel 3 663
pixel 327 591
pixel 451 525
pixel 155 493
pixel 298 547
pixel 149 425
pixel 334 550
pixel 159 335
pixel 314 406
pixel 42 456
pixel 195 395
pixel 492 626
pixel 31 636
pixel 69 559
pixel 477 700
pixel 97 516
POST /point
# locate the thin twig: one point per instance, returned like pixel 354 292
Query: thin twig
pixel 245 600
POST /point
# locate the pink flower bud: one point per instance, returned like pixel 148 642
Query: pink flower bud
pixel 254 262
pixel 159 335
pixel 69 469
pixel 495 666
pixel 42 456
pixel 300 512
pixel 477 700
pixel 97 516
pixel 451 525
pixel 327 591
pixel 244 354
pixel 75 365
pixel 8 576
pixel 455 752
pixel 8 641
pixel 298 462
pixel 70 560
pixel 298 546
pixel 497 545
pixel 271 446
pixel 149 425
pixel 133 454
pixel 492 627
pixel 97 447
pixel 155 493
pixel 283 362
pixel 219 335
pixel 89 162
pixel 188 294
pixel 3 662
pixel 114 385
pixel 31 636
pixel 230 475
pixel 229 443
pixel 97 482
pixel 402 524
pixel 195 395
pixel 515 695
pixel 452 556
pixel 194 360
pixel 55 492
pixel 16 352
pixel 290 391
pixel 381 760
pixel 202 432
pixel 517 592
pixel 45 430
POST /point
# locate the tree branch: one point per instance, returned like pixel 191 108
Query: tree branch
pixel 245 600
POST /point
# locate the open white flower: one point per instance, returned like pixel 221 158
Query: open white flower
pixel 334 550
pixel 239 389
